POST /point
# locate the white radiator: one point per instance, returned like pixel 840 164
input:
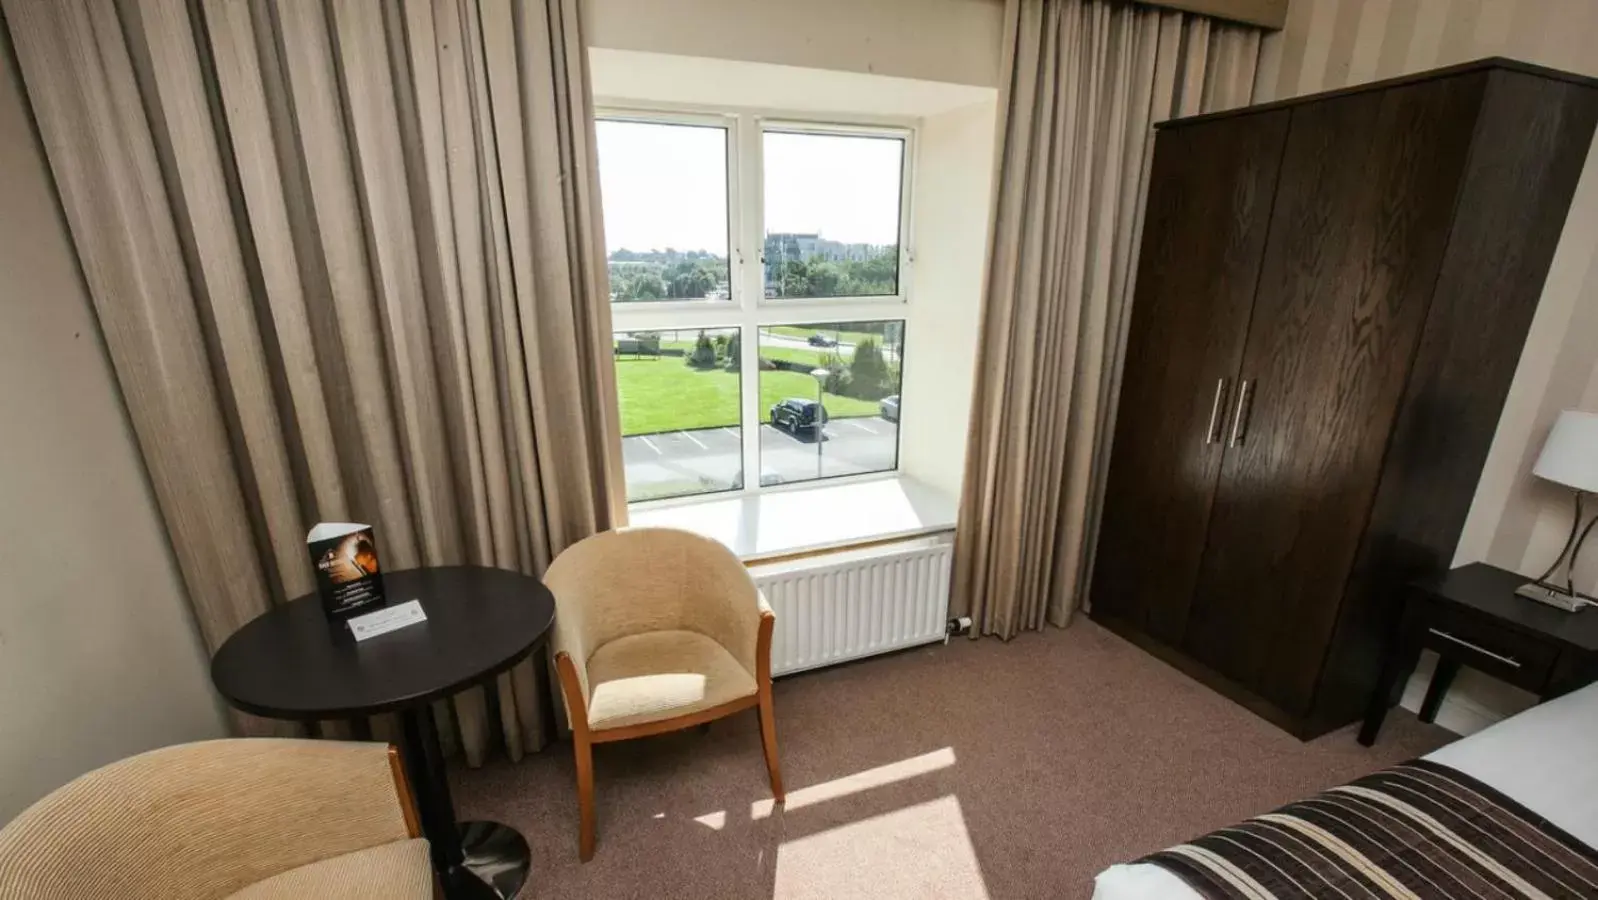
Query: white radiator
pixel 843 606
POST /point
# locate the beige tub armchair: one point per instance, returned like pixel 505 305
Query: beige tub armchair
pixel 656 630
pixel 254 819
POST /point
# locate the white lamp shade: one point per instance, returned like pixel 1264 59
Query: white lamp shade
pixel 1571 455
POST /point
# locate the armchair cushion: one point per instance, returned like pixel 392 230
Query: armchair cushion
pixel 638 581
pixel 385 872
pixel 204 820
pixel 660 675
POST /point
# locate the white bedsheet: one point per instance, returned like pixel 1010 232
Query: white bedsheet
pixel 1544 758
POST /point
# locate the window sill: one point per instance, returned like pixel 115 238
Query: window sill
pixel 810 519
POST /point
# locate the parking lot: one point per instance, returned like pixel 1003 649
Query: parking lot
pixel 708 459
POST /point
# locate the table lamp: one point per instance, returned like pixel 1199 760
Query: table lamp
pixel 1569 458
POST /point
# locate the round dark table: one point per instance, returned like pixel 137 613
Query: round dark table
pixel 292 663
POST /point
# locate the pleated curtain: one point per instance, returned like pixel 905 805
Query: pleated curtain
pixel 1085 81
pixel 347 260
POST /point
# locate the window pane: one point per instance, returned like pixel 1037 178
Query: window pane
pixel 664 190
pixel 831 215
pixel 679 396
pixel 852 369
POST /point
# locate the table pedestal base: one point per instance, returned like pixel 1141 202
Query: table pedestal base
pixel 496 863
pixel 473 860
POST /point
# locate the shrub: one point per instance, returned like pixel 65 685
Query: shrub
pixel 703 355
pixel 839 380
pixel 869 375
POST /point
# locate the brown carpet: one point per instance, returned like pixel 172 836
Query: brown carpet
pixel 980 769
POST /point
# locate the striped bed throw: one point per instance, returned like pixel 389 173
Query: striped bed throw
pixel 1417 830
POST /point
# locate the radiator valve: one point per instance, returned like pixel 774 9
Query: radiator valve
pixel 958 625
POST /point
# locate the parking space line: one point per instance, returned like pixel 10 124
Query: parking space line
pixel 690 436
pixel 649 443
pixel 866 428
pixel 733 434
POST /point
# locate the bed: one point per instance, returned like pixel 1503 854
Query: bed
pixel 1545 759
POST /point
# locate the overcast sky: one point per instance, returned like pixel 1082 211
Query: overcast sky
pixel 665 186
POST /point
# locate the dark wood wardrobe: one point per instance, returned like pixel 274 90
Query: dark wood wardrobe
pixel 1332 297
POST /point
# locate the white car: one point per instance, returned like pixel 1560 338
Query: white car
pixel 888 408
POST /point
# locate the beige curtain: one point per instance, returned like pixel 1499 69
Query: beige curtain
pixel 1084 82
pixel 347 261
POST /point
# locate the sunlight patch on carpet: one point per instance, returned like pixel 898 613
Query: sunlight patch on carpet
pixel 902 770
pixel 923 850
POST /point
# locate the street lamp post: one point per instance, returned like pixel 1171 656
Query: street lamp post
pixel 820 375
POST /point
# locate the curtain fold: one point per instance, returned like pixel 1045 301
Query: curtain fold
pixel 1085 80
pixel 348 265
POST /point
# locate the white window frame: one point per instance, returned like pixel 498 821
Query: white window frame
pixel 735 227
pixel 748 309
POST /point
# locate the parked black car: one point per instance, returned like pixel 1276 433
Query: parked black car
pixel 794 415
pixel 820 340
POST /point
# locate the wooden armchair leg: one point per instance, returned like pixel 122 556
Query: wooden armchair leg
pixel 584 752
pixel 768 715
pixel 768 741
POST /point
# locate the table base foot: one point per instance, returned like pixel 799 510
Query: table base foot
pixel 496 866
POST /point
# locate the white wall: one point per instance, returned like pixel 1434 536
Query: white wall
pixel 950 212
pixel 1516 521
pixel 99 658
pixel 935 40
pixel 619 76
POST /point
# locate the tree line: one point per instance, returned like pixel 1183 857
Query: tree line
pixel 817 277
pixel 665 275
pixel 696 274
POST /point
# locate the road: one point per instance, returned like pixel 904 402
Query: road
pixel 707 459
pixel 844 348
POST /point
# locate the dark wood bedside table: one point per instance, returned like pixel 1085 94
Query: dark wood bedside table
pixel 1471 617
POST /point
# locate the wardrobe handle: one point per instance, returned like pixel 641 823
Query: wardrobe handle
pixel 1214 433
pixel 1240 418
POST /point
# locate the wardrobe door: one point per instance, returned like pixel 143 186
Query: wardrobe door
pixel 1362 215
pixel 1209 202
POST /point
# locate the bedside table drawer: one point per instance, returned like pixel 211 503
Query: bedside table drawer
pixel 1488 646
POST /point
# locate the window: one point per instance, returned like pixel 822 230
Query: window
pixel 745 252
pixel 664 189
pixel 830 393
pixel 679 393
pixel 832 206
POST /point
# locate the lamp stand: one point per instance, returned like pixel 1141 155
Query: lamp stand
pixel 1563 596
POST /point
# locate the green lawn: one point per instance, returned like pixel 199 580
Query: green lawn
pixel 809 357
pixel 812 358
pixel 803 332
pixel 665 395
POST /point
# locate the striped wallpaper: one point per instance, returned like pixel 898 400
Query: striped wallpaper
pixel 1516 521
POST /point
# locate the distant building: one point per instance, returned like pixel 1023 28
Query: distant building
pixel 786 245
pixel 782 246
